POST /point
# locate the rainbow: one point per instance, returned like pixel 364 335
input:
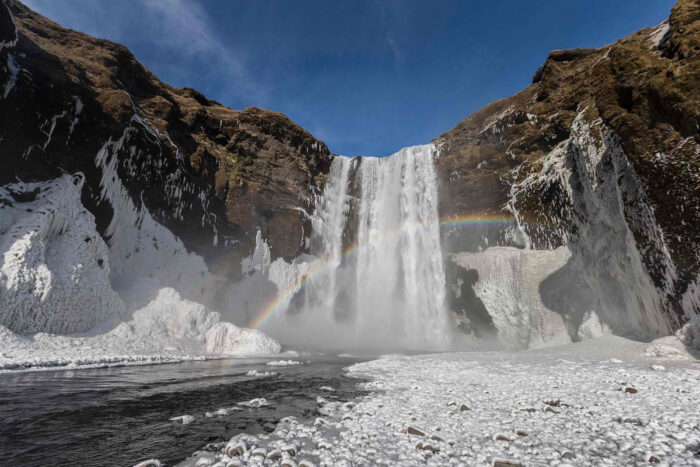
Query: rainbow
pixel 277 303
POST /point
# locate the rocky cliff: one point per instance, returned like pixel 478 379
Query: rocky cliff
pixel 210 174
pixel 568 210
pixel 601 155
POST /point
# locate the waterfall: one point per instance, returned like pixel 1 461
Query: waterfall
pixel 379 279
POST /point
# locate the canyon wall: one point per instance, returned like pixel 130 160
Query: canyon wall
pixel 568 210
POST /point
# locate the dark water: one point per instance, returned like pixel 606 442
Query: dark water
pixel 119 416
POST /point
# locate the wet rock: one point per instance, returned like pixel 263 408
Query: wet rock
pixel 255 403
pixel 320 421
pixel 427 447
pixel 413 431
pixel 323 444
pixel 184 419
pixel 506 463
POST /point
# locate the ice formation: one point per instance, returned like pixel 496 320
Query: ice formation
pixel 600 281
pixel 54 267
pixel 168 328
pixel 57 277
pixel 225 338
pixel 509 286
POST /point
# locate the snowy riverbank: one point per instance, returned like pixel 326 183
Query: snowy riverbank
pixel 605 401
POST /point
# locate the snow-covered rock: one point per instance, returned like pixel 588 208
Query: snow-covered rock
pixel 602 278
pixel 54 266
pixel 604 213
pixel 225 338
pixel 573 406
pixel 689 334
pixel 591 327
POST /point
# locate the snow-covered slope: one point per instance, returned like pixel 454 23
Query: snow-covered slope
pixel 54 266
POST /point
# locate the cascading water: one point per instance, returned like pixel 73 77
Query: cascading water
pixel 379 278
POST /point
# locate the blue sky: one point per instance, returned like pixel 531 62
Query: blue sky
pixel 367 77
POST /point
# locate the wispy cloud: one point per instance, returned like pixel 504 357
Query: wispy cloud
pixel 184 25
pixel 388 13
pixel 179 35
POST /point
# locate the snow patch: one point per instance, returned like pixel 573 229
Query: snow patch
pixel 689 334
pixel 591 327
pixel 659 35
pixel 13 71
pixel 283 363
pixel 11 43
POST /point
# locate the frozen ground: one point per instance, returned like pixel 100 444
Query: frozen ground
pixel 605 401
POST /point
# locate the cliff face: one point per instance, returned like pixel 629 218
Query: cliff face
pixel 601 154
pixel 589 180
pixel 209 174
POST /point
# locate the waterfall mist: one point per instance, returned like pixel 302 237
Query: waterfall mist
pixel 377 278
